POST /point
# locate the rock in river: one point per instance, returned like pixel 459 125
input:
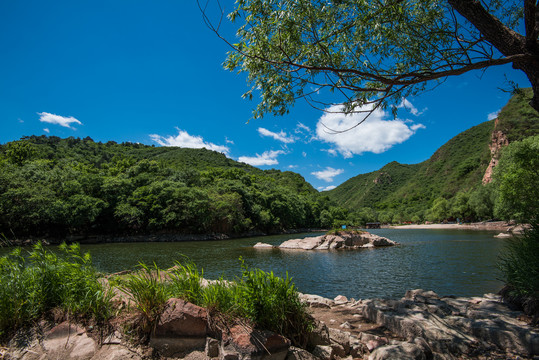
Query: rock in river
pixel 343 240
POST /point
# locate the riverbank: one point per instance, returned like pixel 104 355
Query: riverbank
pixel 501 226
pixel 166 237
pixel 421 325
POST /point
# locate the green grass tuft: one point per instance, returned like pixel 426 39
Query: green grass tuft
pixel 33 285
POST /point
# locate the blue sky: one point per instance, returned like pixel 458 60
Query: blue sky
pixel 150 72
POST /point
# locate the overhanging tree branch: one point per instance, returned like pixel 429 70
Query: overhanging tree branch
pixel 375 52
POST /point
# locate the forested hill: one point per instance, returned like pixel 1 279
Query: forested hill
pixel 452 177
pixel 54 187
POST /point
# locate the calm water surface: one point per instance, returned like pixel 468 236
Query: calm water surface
pixel 450 262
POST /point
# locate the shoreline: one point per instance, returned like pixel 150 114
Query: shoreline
pixel 490 226
pixel 167 237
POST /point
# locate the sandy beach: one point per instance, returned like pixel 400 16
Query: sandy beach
pixel 494 225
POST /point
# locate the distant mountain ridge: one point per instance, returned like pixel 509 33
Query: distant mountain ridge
pixel 457 166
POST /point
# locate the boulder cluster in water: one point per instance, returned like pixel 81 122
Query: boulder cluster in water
pixel 341 240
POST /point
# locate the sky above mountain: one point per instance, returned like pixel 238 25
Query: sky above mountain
pixel 151 72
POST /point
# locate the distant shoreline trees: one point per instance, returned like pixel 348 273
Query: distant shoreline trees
pixel 55 187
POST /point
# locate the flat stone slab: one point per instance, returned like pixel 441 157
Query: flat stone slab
pixel 455 326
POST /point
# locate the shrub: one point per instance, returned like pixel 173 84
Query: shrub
pixel 187 282
pixel 520 263
pixel 147 290
pixel 267 301
pixel 273 303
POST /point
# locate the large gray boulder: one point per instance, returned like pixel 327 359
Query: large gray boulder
pixel 344 240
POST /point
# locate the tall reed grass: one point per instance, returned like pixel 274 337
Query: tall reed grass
pixel 35 283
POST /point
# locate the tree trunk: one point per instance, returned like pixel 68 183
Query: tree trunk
pixel 505 40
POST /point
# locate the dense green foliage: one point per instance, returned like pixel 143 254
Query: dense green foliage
pixel 518 120
pixel 517 177
pixel 366 54
pixel 517 180
pixel 52 186
pixel 448 186
pixel 35 284
pixel 267 301
pixel 519 263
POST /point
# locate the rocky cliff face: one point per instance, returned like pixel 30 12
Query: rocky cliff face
pixel 498 141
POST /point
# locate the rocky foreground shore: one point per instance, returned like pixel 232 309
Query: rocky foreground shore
pixel 342 240
pixel 421 325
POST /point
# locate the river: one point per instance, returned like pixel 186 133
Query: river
pixel 450 262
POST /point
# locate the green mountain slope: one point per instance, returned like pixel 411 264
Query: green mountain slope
pixel 374 187
pixel 53 187
pixel 456 167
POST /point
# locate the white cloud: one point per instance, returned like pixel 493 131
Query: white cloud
pixel 183 139
pixel 64 121
pixel 493 115
pixel 376 134
pixel 292 166
pixel 266 158
pixel 20 120
pixel 328 174
pixel 410 107
pixel 300 128
pixel 228 141
pixel 304 154
pixel 280 136
pixel 331 152
pixel 46 130
pixel 416 127
pixel 327 188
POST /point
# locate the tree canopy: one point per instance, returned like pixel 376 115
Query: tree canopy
pixel 373 53
pixel 517 176
pixel 54 187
